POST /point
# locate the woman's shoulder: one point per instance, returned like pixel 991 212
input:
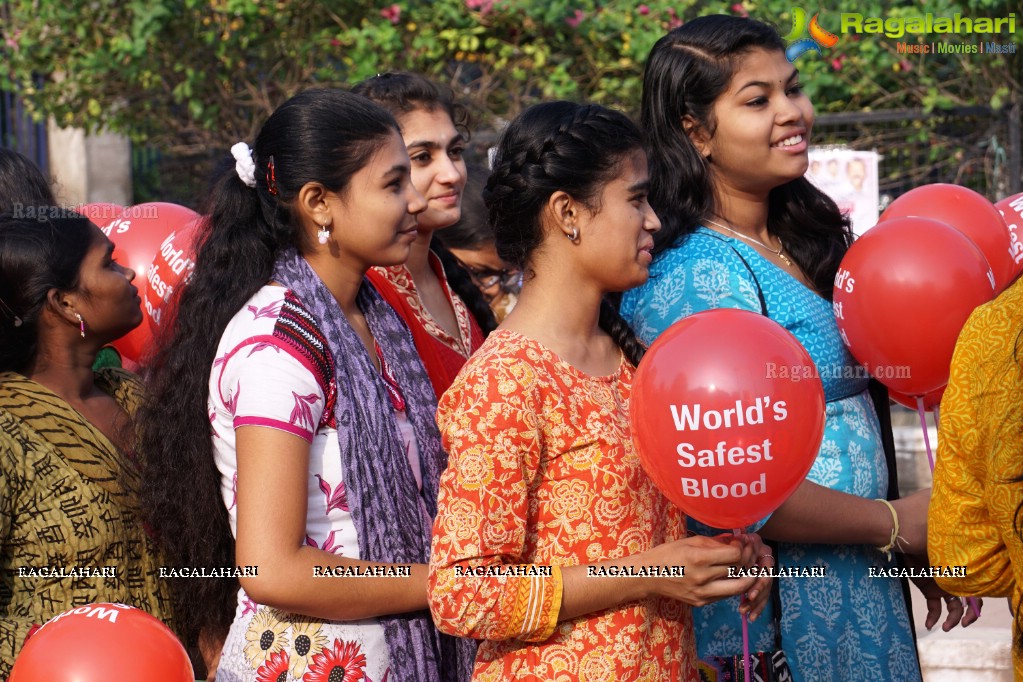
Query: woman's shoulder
pixel 507 360
pixel 700 244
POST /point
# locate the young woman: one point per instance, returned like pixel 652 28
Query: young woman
pixel 436 298
pixel 728 127
pixel 471 242
pixel 976 513
pixel 544 497
pixel 69 481
pixel 292 423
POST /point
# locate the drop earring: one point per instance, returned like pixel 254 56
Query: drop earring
pixel 81 325
pixel 322 235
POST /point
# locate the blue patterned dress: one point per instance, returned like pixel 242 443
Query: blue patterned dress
pixel 846 626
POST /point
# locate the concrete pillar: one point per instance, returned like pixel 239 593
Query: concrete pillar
pixel 89 168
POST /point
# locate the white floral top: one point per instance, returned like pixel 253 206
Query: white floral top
pixel 272 369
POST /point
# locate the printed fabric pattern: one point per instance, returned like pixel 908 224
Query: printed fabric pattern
pixel 972 515
pixel 542 473
pixel 68 500
pixel 273 369
pixel 846 626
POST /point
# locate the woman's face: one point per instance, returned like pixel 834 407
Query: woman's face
pixel 617 238
pixel 107 300
pixel 763 123
pixel 375 221
pixel 435 148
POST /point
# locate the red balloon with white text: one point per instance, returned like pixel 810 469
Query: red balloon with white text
pixel 901 296
pixel 727 414
pixel 171 267
pixel 137 235
pixel 1011 210
pixel 100 643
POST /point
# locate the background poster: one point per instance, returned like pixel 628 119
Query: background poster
pixel 850 178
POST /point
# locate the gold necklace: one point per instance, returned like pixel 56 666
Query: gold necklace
pixel 781 245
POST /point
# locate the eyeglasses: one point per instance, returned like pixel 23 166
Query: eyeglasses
pixel 509 280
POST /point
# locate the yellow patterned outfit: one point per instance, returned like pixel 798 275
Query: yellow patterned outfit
pixel 68 505
pixel 980 452
pixel 543 473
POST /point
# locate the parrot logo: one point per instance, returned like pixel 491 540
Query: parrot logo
pixel 818 39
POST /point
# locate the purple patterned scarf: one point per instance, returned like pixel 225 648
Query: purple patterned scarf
pixel 385 503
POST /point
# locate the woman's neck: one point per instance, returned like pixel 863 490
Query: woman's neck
pixel 555 309
pixel 342 278
pixel 418 262
pixel 743 212
pixel 65 369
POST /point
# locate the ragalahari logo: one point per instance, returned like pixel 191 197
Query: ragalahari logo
pixel 819 38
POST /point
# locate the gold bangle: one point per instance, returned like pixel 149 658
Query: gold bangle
pixel 887 549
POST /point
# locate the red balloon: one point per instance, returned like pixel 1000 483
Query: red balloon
pixel 172 265
pixel 727 415
pixel 102 642
pixel 101 213
pixel 137 235
pixel 1011 209
pixel 901 296
pixel 931 399
pixel 968 212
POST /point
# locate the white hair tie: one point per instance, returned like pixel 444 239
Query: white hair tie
pixel 244 166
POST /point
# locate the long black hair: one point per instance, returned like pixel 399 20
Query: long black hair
pixel 403 93
pixel 688 69
pixel 22 183
pixel 37 254
pixel 322 136
pixel 550 147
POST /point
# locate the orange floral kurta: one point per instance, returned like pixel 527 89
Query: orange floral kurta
pixel 970 520
pixel 543 472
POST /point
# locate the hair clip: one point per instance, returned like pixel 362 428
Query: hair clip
pixel 271 177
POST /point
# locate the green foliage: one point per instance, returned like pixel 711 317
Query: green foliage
pixel 189 74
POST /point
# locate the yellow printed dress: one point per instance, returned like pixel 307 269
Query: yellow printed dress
pixel 543 473
pixel 980 453
pixel 71 530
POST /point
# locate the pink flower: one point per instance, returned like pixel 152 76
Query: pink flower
pixel 392 14
pixel 334 42
pixel 673 20
pixel 484 6
pixel 740 10
pixel 576 18
pixel 643 9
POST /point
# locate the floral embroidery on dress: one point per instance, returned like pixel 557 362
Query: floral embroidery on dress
pixel 328 544
pixel 542 471
pixel 338 499
pixel 275 669
pixel 302 414
pixel 306 639
pixel 286 390
pixel 271 310
pixel 344 662
pixel 401 278
pixel 265 636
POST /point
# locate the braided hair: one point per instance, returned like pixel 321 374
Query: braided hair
pixel 550 147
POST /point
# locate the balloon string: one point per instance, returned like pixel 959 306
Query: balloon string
pixel 745 630
pixel 930 459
